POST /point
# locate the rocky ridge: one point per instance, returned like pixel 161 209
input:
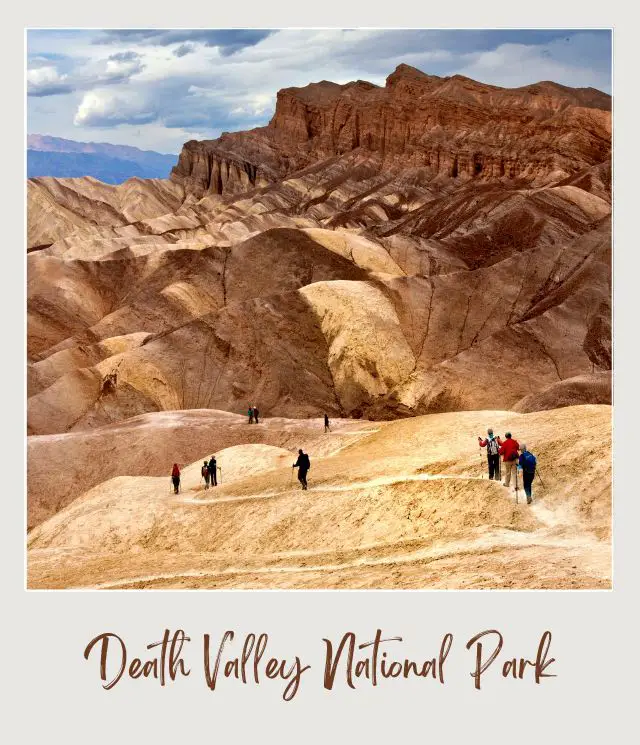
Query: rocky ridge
pixel 451 128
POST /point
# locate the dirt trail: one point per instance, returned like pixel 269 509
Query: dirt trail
pixel 380 481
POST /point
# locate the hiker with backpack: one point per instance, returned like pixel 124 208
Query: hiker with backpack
pixel 303 464
pixel 204 471
pixel 327 428
pixel 493 458
pixel 509 452
pixel 255 414
pixel 527 463
pixel 175 478
pixel 212 467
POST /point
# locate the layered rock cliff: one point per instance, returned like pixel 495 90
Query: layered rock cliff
pixel 451 128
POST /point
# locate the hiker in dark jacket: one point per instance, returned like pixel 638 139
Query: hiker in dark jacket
pixel 175 478
pixel 326 424
pixel 527 462
pixel 303 464
pixel 213 467
pixel 255 414
pixel 250 414
pixel 204 471
pixel 509 452
pixel 493 459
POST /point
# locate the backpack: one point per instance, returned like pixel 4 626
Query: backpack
pixel 306 462
pixel 492 447
pixel 528 462
pixel 204 471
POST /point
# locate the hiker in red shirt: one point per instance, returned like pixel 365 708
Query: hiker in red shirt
pixel 175 477
pixel 509 452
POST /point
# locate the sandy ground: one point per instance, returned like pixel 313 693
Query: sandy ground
pixel 402 504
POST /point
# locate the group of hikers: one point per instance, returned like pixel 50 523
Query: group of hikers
pixel 210 468
pixel 209 472
pixel 515 457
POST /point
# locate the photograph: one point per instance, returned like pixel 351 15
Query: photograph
pixel 318 309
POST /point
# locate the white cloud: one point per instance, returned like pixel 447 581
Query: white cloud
pixel 43 75
pixel 123 65
pixel 562 61
pixel 44 80
pixel 256 106
pixel 101 108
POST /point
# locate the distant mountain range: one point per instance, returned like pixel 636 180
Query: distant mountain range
pixel 113 164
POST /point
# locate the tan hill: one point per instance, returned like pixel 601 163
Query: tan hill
pixel 592 388
pixel 401 504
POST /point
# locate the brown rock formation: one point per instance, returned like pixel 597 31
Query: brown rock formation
pixel 454 128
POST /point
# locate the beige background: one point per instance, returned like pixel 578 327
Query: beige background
pixel 52 695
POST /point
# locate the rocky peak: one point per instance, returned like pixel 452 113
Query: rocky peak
pixel 407 72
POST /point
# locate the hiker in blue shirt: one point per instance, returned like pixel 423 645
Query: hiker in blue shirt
pixel 527 464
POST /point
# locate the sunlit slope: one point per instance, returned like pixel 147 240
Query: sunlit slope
pixel 403 506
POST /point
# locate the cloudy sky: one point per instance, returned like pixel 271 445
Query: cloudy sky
pixel 155 89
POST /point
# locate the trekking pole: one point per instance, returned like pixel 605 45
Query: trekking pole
pixel 516 485
pixel 220 469
pixel 540 477
pixel 481 462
